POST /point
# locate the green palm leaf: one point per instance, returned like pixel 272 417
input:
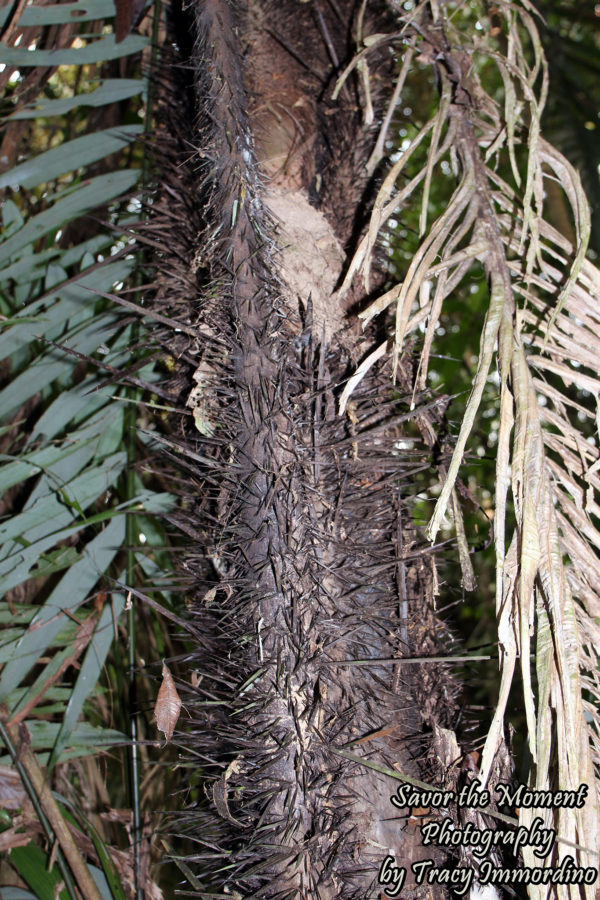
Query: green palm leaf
pixel 64 468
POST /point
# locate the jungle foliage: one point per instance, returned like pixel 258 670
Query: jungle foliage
pixel 82 513
pixel 488 228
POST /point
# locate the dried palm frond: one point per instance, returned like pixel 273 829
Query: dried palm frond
pixel 542 324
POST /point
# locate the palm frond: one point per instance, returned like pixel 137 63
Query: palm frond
pixel 542 327
pixel 70 490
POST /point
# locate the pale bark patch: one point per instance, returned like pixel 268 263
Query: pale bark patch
pixel 310 259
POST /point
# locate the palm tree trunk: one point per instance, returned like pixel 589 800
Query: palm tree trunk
pixel 309 561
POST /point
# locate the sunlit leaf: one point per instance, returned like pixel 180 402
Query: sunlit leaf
pixel 100 50
pixel 95 192
pixel 32 864
pixel 69 156
pixel 74 11
pixel 111 90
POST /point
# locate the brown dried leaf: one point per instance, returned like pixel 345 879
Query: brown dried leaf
pixel 168 705
pixel 13 837
pixel 219 792
pixel 12 792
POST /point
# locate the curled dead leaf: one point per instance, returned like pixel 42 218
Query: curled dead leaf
pixel 14 837
pixel 12 792
pixel 168 705
pixel 219 792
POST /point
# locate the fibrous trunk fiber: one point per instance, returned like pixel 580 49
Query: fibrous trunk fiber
pixel 305 559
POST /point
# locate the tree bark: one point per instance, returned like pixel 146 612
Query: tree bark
pixel 309 561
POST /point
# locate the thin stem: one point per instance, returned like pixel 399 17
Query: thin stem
pixel 132 535
pixel 49 815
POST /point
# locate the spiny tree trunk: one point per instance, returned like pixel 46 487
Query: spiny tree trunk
pixel 308 558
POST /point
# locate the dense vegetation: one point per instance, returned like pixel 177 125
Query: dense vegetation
pixel 488 229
